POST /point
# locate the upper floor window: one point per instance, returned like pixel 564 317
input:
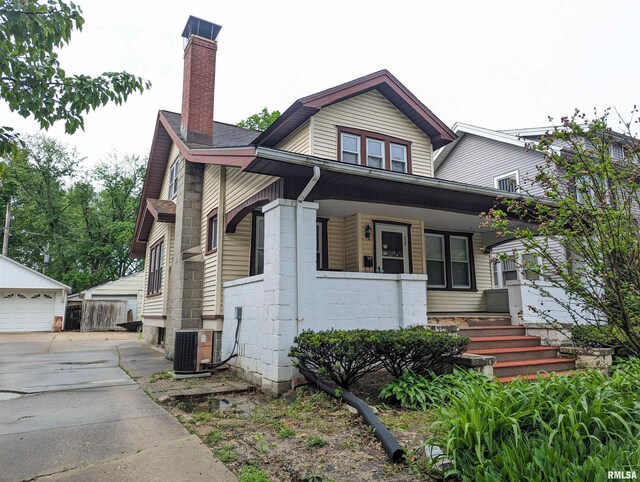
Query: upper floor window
pixel 374 150
pixel 154 283
pixel 173 179
pixel 507 182
pixel 212 231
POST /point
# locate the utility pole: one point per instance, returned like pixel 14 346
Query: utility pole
pixel 7 225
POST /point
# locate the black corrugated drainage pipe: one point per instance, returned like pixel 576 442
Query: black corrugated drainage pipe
pixel 388 441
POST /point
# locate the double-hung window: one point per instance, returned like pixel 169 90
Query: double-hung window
pixel 517 266
pixel 154 284
pixel 173 179
pixel 212 231
pixel 399 158
pixel 375 153
pixel 449 261
pixel 507 182
pixel 350 148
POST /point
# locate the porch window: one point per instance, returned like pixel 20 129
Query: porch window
pixel 173 179
pixel 375 153
pixel 257 245
pixel 518 266
pixel 212 231
pixel 322 248
pixel 449 261
pixel 350 148
pixel 154 283
pixel 398 158
pixel 507 182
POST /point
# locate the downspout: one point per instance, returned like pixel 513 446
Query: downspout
pixel 299 272
pixel 222 201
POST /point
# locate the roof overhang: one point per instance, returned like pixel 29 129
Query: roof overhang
pixel 358 183
pixel 385 83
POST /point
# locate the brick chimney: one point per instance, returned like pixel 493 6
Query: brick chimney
pixel 199 79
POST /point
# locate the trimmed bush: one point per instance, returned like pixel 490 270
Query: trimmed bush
pixel 602 336
pixel 416 349
pixel 342 356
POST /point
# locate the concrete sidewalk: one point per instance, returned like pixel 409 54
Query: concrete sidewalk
pixel 81 417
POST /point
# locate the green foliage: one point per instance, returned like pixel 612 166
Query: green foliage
pixel 603 336
pixel 213 437
pixel 251 473
pixel 286 433
pixel 592 197
pixel 315 441
pixel 416 349
pixel 225 454
pixel 160 376
pixel 34 83
pixel 85 220
pixel 343 356
pixel 260 121
pixel 552 429
pixel 417 392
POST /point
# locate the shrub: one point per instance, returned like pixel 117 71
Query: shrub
pixel 553 429
pixel 602 336
pixel 417 392
pixel 343 356
pixel 416 349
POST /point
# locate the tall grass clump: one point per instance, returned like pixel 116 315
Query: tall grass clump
pixel 553 429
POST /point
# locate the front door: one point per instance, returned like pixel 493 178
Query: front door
pixel 392 248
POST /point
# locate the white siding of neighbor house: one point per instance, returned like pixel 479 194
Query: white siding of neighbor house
pixel 210 200
pixel 465 301
pixel 371 112
pixel 127 285
pixel 477 160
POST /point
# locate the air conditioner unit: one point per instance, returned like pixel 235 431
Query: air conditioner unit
pixel 193 351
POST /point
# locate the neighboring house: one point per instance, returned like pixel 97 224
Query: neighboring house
pixel 29 301
pixel 331 218
pixel 127 291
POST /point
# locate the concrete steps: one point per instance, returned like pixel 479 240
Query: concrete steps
pixel 512 354
pixel 497 330
pixel 480 342
pixel 517 367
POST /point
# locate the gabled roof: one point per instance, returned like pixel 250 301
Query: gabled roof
pixel 127 285
pixel 385 83
pixel 18 276
pixel 461 129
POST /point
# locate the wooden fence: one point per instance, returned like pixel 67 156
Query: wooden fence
pixel 101 315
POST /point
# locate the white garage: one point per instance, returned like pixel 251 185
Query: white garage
pixel 29 301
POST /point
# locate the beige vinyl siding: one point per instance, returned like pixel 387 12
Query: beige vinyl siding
pixel 242 185
pixel 298 141
pixel 173 155
pixel 477 160
pixel 464 301
pixel 210 200
pixel 237 251
pixel 155 305
pixel 416 235
pixel 336 243
pixel 371 112
pixel 351 248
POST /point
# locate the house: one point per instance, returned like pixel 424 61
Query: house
pixel 331 218
pixel 125 295
pixel 29 301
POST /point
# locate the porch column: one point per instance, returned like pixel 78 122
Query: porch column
pixel 281 284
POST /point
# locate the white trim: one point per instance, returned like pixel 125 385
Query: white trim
pixel 382 149
pixel 508 175
pixel 443 260
pixel 172 189
pixel 392 228
pixel 405 160
pixel 468 262
pixel 342 149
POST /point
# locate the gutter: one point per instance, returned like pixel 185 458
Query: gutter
pixel 299 237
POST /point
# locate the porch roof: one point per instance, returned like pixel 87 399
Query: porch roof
pixel 357 183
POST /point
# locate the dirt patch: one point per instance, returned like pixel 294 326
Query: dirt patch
pixel 305 435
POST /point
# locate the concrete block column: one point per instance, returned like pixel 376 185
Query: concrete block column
pixel 413 300
pixel 186 276
pixel 281 284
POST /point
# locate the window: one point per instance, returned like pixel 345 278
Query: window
pixel 173 179
pixel 257 245
pixel 436 261
pixel 375 153
pixel 350 148
pixel 399 158
pixel 374 150
pixel 508 182
pixel 617 152
pixel 155 269
pixel 322 251
pixel 518 266
pixel 212 231
pixel 449 261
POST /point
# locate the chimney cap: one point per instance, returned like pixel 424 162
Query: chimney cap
pixel 201 28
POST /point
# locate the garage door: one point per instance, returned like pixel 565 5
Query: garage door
pixel 26 311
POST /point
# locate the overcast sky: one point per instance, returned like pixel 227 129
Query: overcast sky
pixel 496 64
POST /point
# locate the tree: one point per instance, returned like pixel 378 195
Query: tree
pixel 591 179
pixel 32 81
pixel 260 121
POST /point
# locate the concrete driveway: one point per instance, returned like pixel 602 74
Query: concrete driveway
pixel 78 416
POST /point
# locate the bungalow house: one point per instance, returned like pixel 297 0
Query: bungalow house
pixel 332 217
